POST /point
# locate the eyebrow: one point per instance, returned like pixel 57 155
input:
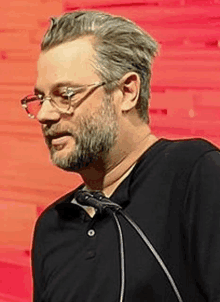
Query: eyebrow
pixel 58 85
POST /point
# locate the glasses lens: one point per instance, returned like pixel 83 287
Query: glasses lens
pixel 61 102
pixel 33 105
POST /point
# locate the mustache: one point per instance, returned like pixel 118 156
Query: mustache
pixel 53 131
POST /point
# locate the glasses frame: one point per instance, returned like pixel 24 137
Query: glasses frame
pixel 70 93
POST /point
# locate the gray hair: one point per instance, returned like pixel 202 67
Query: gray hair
pixel 121 46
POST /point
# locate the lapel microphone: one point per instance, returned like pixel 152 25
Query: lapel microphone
pixel 96 200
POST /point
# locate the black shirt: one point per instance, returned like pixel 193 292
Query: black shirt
pixel 173 194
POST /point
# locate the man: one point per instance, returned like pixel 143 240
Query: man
pixel 91 98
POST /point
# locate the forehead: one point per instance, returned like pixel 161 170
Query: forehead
pixel 72 61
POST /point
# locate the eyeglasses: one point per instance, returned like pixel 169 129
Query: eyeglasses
pixel 61 98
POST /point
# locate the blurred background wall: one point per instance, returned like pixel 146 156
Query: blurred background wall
pixel 185 103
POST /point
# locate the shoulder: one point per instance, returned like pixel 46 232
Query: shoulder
pixel 197 146
pixel 188 151
pixel 206 170
pixel 201 213
pixel 180 158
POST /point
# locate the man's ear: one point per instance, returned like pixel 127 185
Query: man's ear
pixel 130 87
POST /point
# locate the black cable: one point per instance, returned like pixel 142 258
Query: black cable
pixel 101 203
pixel 122 256
pixel 154 252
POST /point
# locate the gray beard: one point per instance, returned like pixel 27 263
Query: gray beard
pixel 95 136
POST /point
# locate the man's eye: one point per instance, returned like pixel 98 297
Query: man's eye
pixel 64 96
pixel 68 95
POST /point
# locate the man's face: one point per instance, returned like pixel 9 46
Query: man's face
pixel 89 133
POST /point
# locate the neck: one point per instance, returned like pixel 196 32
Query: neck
pixel 107 176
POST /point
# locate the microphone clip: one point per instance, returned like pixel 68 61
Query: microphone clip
pixel 96 200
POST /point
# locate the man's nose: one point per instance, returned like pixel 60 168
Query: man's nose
pixel 47 113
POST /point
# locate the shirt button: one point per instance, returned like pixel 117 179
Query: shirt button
pixel 91 233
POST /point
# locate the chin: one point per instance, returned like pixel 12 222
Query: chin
pixel 71 162
pixel 64 160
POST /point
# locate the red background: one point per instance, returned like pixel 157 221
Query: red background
pixel 185 103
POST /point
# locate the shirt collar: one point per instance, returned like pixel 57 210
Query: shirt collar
pixel 121 195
